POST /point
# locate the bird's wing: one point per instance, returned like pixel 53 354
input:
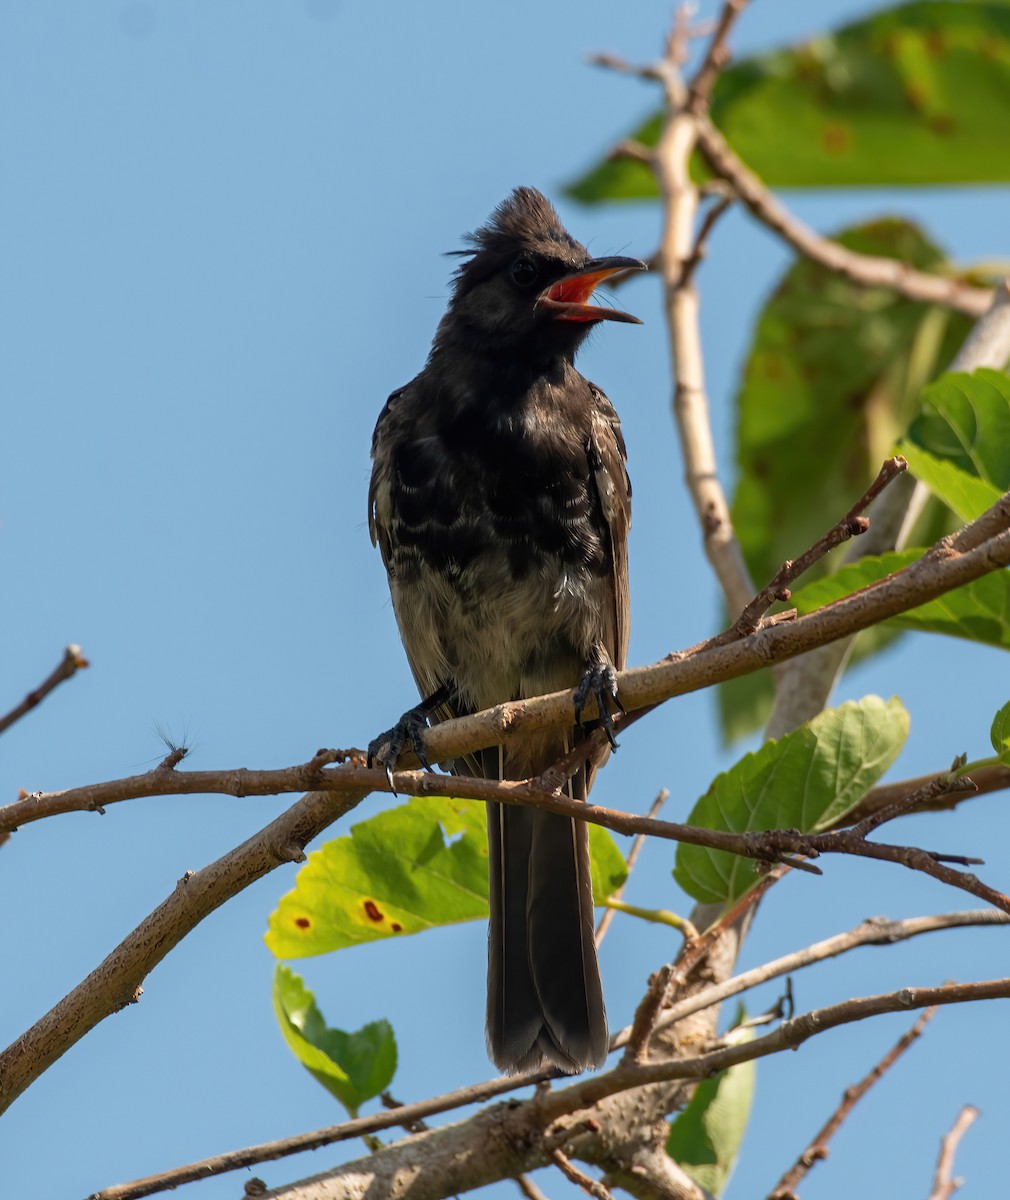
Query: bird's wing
pixel 380 528
pixel 380 486
pixel 608 460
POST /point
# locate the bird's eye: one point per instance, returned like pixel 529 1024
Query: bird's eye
pixel 524 272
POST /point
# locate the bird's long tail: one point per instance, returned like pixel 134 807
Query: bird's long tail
pixel 545 999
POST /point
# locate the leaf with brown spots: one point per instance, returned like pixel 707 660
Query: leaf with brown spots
pixel 415 867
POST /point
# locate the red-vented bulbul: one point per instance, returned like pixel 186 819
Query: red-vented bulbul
pixel 501 504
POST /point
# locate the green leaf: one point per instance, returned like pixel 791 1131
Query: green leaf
pixel 354 1067
pixel 608 868
pixel 959 446
pixel 806 780
pixel 705 1138
pixel 978 612
pixel 999 734
pixel 834 376
pixel 914 94
pixel 415 867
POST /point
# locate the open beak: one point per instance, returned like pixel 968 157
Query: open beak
pixel 566 299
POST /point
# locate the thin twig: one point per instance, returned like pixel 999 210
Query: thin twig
pixel 116 982
pixel 571 1172
pixel 629 862
pixel 700 247
pixel 670 163
pixel 944 1182
pixel 786 1187
pixel 876 931
pixel 938 785
pixel 851 525
pixel 716 57
pixel 992 778
pixel 668 978
pixel 72 661
pixel 528 1188
pixel 389 1101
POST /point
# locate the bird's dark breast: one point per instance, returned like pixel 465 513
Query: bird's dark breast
pixel 483 483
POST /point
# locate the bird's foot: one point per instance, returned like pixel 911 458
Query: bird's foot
pixel 600 679
pixel 408 731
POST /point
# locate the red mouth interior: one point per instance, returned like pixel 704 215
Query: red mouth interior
pixel 576 289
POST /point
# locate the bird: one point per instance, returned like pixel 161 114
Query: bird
pixel 500 503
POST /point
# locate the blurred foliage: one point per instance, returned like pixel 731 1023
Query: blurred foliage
pixel 832 379
pixel 911 95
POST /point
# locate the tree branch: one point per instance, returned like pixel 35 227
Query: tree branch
pixel 785 1189
pixel 875 931
pixel 116 982
pixel 677 257
pixel 72 662
pixel 630 860
pixel 853 524
pixel 865 270
pixel 986 779
pixel 499 1142
pixel 944 1183
pixel 716 57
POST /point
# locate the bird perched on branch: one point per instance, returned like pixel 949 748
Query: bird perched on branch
pixel 501 504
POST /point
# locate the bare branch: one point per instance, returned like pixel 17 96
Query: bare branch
pixel 709 662
pixel 716 57
pixel 986 779
pixel 944 1183
pixel 673 975
pixel 629 862
pixel 72 662
pixel 785 1189
pixel 679 253
pixel 117 981
pixel 700 247
pixel 875 931
pixel 519 1137
pixel 592 1187
pixel 865 270
pixel 851 525
pixel 528 1188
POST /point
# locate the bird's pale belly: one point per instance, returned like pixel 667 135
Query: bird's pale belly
pixel 497 637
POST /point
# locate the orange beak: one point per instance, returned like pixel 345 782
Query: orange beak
pixel 565 300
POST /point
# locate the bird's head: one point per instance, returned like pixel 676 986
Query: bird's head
pixel 524 289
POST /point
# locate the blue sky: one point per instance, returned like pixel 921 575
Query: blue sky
pixel 223 235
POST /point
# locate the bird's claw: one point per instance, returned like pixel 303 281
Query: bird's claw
pixel 601 680
pixel 388 746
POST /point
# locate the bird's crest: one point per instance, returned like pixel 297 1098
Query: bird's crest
pixel 525 220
